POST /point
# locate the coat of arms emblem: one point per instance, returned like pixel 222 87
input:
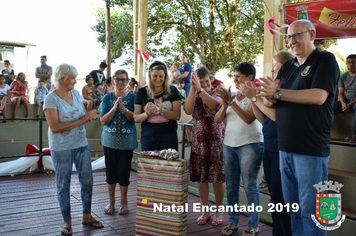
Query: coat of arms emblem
pixel 302 12
pixel 328 206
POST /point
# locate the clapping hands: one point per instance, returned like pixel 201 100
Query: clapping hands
pixel 93 115
pixel 225 95
pixel 194 80
pixel 248 89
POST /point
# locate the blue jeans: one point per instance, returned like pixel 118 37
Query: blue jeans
pixel 63 162
pixel 151 141
pixel 186 88
pixel 243 161
pixel 299 173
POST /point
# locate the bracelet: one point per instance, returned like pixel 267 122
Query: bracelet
pixel 125 111
pixel 232 101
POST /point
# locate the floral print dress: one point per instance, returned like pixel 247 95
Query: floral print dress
pixel 206 158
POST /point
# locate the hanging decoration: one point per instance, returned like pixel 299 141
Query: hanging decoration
pixel 145 56
pixel 274 27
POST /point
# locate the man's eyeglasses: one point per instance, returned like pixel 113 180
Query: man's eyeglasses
pixel 121 80
pixel 296 37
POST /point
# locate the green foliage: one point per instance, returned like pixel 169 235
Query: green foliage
pixel 341 61
pixel 121 31
pixel 218 33
pixel 329 42
pixel 112 3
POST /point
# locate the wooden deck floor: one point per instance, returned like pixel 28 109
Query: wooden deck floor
pixel 28 206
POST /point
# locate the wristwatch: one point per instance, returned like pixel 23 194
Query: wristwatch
pixel 201 90
pixel 277 94
pixel 161 112
pixel 254 99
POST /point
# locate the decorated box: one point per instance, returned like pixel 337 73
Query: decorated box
pixel 162 196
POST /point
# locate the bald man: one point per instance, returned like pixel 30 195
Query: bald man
pixel 304 115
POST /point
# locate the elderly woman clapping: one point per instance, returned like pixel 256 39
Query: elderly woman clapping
pixel 66 117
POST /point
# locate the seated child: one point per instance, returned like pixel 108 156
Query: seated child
pixel 40 94
pixel 99 91
pixel 88 91
pixel 181 90
pixel 4 96
pixel 18 90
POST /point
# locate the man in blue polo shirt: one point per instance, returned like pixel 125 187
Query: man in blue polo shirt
pixel 304 115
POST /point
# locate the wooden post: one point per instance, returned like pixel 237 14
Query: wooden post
pixel 272 43
pixel 140 38
pixel 108 39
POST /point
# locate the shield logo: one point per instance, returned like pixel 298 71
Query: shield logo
pixel 328 207
pixel 302 12
pixel 306 71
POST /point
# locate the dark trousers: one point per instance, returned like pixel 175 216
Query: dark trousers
pixel 281 220
pixel 151 141
pixel 338 110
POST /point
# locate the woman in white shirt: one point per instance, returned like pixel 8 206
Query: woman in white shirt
pixel 242 149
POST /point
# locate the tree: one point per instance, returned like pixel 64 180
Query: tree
pixel 121 31
pixel 219 33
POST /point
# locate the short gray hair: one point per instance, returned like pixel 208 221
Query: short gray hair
pixel 63 71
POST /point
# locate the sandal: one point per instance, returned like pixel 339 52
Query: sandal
pixel 251 231
pixel 203 221
pixel 228 231
pixel 66 229
pixel 216 222
pixel 123 210
pixel 95 223
pixel 109 209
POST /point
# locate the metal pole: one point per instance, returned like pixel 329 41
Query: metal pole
pixel 183 142
pixel 41 154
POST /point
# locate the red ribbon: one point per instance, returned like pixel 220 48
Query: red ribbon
pixel 145 55
pixel 31 149
pixel 273 27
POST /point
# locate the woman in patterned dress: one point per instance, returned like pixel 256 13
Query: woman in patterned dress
pixel 206 159
pixel 118 139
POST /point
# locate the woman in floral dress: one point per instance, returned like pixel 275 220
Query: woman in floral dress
pixel 206 159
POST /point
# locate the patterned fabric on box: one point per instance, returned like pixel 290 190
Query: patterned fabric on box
pixel 161 182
